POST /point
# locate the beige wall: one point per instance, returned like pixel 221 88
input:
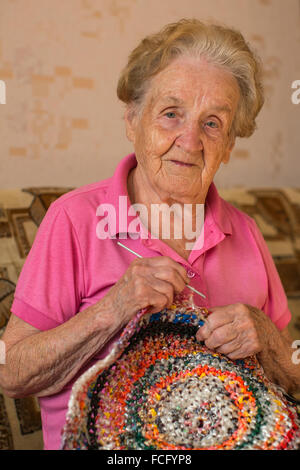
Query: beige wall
pixel 60 59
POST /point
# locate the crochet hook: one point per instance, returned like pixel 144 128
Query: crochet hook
pixel 139 256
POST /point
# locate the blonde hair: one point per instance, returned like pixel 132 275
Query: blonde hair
pixel 219 45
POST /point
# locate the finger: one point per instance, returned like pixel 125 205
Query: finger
pixel 219 317
pixel 221 336
pixel 155 293
pixel 161 287
pixel 249 347
pixel 171 276
pixel 158 302
pixel 230 347
pixel 166 261
pixel 240 353
pixel 203 332
pixel 215 320
pixel 139 288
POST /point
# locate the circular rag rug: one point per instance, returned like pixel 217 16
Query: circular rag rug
pixel 160 388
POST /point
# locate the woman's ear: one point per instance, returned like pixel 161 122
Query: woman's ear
pixel 130 122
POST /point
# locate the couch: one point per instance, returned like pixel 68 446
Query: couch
pixel 276 211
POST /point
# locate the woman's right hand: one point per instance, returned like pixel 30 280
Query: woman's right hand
pixel 148 282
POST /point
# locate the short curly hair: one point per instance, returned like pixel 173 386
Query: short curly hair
pixel 218 44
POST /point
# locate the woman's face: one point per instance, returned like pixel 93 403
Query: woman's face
pixel 182 134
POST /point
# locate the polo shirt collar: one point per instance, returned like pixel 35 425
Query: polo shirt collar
pixel 217 224
pixel 216 211
pixel 118 187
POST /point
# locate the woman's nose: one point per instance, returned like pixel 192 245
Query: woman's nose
pixel 190 138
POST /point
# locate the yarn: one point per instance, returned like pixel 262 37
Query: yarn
pixel 160 388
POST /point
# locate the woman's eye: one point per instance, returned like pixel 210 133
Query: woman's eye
pixel 170 115
pixel 212 124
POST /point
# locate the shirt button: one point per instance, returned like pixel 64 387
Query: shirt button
pixel 190 273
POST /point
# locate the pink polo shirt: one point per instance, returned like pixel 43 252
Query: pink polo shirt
pixel 70 268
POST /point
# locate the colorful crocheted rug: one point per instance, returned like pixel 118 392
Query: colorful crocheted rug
pixel 160 388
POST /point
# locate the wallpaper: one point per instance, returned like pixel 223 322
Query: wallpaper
pixel 61 123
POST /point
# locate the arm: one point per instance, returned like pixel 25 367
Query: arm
pixel 276 360
pixel 240 330
pixel 41 363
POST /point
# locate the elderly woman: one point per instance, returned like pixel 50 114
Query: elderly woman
pixel 189 90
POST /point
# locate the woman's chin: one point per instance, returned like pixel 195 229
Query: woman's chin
pixel 181 189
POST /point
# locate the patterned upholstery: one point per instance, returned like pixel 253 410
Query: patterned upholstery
pixel 21 212
pixel 276 211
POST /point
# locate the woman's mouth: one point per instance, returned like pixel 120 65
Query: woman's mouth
pixel 177 162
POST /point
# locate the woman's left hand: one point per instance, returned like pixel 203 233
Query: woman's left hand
pixel 237 330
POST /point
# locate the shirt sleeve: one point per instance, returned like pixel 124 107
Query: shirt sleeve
pixel 50 286
pixel 276 305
